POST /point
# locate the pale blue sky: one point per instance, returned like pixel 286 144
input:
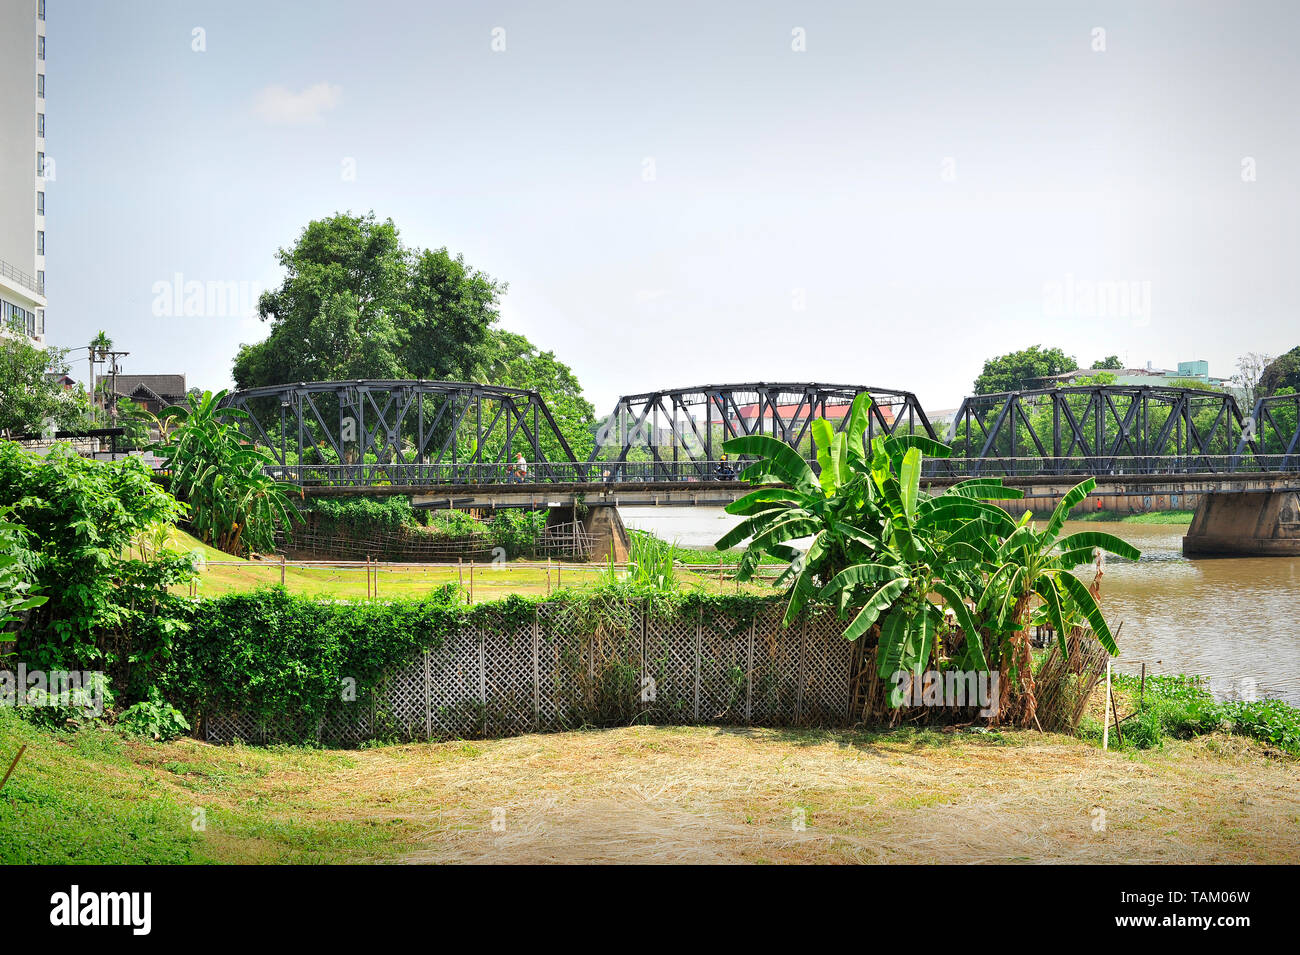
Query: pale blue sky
pixel 889 207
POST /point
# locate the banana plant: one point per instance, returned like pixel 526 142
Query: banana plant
pixel 1028 566
pixel 909 564
pixel 836 508
pixel 233 503
pixel 879 544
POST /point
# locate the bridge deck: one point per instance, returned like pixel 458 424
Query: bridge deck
pixel 712 493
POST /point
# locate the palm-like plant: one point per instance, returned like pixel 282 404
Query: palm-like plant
pixel 900 560
pixel 234 504
pixel 1028 564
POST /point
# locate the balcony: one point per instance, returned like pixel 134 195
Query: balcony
pixel 21 278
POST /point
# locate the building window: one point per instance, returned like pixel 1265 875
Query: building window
pixel 40 203
pixel 40 323
pixel 40 48
pixel 40 85
pixel 40 242
pixel 40 280
pixel 40 9
pixel 40 124
pixel 40 164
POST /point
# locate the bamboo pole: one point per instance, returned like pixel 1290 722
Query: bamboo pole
pixel 1105 728
pixel 471 581
pixel 282 567
pixel 367 576
pixel 548 576
pixel 21 749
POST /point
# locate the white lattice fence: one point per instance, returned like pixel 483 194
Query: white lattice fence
pixel 563 667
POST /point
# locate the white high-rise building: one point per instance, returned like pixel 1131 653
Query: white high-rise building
pixel 23 169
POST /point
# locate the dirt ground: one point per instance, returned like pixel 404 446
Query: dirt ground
pixel 708 794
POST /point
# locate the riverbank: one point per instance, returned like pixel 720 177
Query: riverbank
pixel 1121 517
pixel 649 794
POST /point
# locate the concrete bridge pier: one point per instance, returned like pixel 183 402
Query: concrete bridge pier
pixel 1245 524
pixel 601 521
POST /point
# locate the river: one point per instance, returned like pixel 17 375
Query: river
pixel 1235 621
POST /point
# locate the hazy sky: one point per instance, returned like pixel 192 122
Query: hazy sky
pixel 677 196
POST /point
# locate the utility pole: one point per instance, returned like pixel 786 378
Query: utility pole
pixel 113 370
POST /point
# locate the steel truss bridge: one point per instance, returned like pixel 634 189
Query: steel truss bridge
pixel 437 433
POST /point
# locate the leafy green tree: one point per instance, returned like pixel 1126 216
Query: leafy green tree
pixel 1281 372
pixel 101 345
pixel 234 504
pixel 450 308
pixel 513 361
pixel 1110 363
pixel 355 303
pixel 1022 370
pixel 336 314
pixel 31 400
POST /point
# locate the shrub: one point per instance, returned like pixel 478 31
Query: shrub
pixel 79 517
pixel 154 718
pixel 1270 721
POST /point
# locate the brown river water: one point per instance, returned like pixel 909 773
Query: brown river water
pixel 1235 621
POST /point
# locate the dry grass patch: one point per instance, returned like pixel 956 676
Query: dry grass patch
pixel 661 794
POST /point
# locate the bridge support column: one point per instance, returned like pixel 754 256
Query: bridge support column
pixel 604 523
pixel 1245 524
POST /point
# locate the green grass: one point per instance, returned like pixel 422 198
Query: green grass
pixel 1181 707
pixel 96 797
pixel 224 573
pixel 1121 517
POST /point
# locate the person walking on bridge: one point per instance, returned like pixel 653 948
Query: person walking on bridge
pixel 521 469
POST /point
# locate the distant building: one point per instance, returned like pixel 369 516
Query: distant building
pixel 22 153
pixel 1155 377
pixel 154 392
pixel 941 420
pixel 787 413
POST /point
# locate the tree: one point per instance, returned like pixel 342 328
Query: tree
pixel 513 361
pixel 335 314
pixel 32 401
pixel 1022 370
pixel 1250 369
pixel 450 310
pixel 101 345
pixel 1281 372
pixel 356 304
pixel 1109 363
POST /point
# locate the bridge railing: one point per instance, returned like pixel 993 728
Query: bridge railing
pixel 537 472
pixel 1115 465
pixel 687 472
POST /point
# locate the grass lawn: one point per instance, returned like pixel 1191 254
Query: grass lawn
pixel 1120 517
pixel 490 582
pixel 648 794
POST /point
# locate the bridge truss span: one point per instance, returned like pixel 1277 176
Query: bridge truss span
pixel 1099 429
pixel 677 434
pixel 406 432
